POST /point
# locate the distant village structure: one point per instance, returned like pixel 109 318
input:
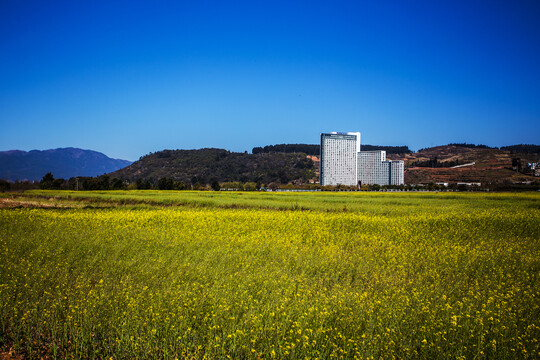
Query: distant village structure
pixel 343 163
pixel 535 168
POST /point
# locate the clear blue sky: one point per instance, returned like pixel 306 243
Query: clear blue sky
pixel 127 78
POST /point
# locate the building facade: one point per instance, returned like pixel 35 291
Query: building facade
pixel 373 168
pixel 339 154
pixel 343 163
pixel 397 171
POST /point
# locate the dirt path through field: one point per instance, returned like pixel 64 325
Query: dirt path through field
pixel 12 203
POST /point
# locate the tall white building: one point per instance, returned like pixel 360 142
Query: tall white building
pixel 343 163
pixel 339 154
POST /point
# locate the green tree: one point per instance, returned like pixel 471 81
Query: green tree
pixel 166 183
pixel 147 185
pixel 47 181
pixel 198 186
pixel 57 184
pixel 180 185
pixel 104 183
pixel 117 184
pixel 4 185
pixel 516 164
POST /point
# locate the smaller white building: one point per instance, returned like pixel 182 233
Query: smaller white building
pixel 397 170
pixel 373 168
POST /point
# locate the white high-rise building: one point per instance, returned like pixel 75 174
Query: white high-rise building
pixel 343 163
pixel 339 153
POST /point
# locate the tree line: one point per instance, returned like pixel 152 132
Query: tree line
pixel 520 148
pixel 105 182
pixel 523 148
pixel 310 149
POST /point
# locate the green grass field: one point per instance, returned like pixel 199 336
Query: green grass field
pixel 150 274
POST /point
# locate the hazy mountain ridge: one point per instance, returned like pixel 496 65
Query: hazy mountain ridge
pixel 62 162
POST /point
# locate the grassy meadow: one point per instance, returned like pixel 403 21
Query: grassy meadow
pixel 194 275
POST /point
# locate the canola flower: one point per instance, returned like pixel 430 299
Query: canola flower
pixel 259 283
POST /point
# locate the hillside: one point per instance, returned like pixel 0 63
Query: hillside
pixel 207 165
pixel 477 164
pixel 491 165
pixel 63 163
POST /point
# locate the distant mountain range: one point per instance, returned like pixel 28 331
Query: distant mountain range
pixel 62 163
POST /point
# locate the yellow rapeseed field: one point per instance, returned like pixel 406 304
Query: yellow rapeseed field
pixel 454 276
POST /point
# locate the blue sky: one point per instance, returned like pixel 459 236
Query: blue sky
pixel 127 78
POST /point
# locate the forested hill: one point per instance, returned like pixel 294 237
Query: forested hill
pixel 310 149
pixel 206 165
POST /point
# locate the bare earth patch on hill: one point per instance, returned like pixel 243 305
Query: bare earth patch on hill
pixel 490 165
